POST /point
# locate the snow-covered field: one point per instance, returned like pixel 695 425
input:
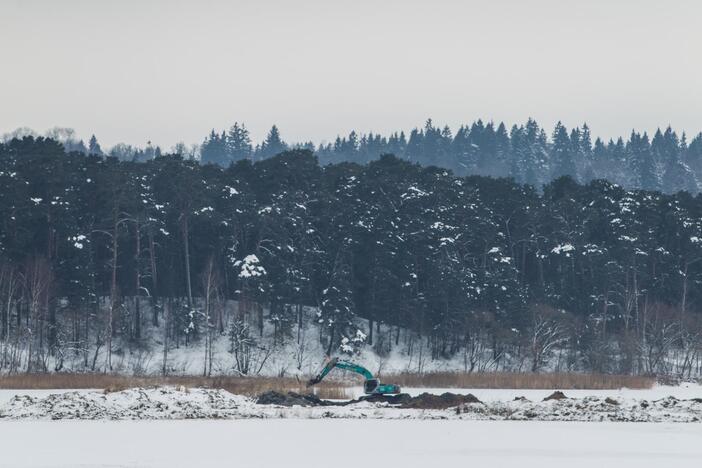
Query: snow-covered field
pixel 661 404
pixel 170 427
pixel 294 443
pixel 683 391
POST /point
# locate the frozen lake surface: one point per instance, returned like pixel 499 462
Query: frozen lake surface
pixel 347 443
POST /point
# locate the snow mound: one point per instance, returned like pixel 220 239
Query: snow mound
pixel 589 409
pixel 135 403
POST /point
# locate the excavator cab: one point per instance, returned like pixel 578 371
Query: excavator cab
pixel 374 387
pixel 370 386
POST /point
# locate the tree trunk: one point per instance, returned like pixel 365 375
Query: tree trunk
pixel 154 280
pixel 166 308
pixel 113 293
pixel 299 322
pixel 370 332
pixel 207 327
pixel 137 309
pixel 51 324
pixel 331 340
pixel 186 246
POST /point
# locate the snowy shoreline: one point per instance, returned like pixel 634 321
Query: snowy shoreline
pixel 171 403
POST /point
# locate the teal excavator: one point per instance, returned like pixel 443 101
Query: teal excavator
pixel 371 386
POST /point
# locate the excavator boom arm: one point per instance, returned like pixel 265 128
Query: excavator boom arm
pixel 349 366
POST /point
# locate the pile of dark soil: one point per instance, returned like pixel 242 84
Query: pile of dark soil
pixel 402 400
pixel 292 399
pixel 557 395
pixel 443 401
pixel 398 399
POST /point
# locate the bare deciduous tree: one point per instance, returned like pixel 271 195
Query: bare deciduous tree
pixel 662 331
pixel 211 292
pixel 546 332
pixel 37 279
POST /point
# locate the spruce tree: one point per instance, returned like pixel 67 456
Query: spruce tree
pixel 562 154
pixel 272 145
pixel 238 143
pixel 641 162
pixel 94 147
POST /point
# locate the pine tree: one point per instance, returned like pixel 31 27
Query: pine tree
pixel 641 162
pixel 693 155
pixel 518 156
pixel 414 145
pixel 576 151
pixel 238 143
pixel 337 310
pixel 213 150
pixel 676 174
pixel 501 167
pixel 487 155
pixel 587 163
pixel 460 150
pixel 562 154
pixel 535 164
pixel 94 147
pixel 272 145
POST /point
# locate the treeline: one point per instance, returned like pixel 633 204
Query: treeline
pixel 664 162
pixel 596 276
pixel 528 153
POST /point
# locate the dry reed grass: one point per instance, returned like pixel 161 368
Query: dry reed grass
pixel 332 389
pixel 112 383
pixel 520 380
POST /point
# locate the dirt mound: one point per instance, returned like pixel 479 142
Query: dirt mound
pixel 443 401
pixel 611 401
pixel 557 395
pixel 399 399
pixel 290 399
pixel 402 400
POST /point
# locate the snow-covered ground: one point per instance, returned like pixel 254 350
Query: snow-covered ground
pixel 198 403
pixel 7 395
pixel 171 427
pixel 294 443
pixel 683 391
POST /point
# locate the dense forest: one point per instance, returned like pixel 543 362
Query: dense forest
pixel 527 153
pixel 96 251
pixel 664 162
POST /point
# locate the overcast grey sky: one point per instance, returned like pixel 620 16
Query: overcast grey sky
pixel 168 70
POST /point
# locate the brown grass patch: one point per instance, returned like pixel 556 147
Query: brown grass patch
pixel 331 389
pixel 520 380
pixel 114 383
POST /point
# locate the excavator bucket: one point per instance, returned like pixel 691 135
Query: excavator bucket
pixel 328 366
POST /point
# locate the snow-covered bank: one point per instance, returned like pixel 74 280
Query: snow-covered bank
pixel 684 391
pixel 180 403
pixel 316 444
